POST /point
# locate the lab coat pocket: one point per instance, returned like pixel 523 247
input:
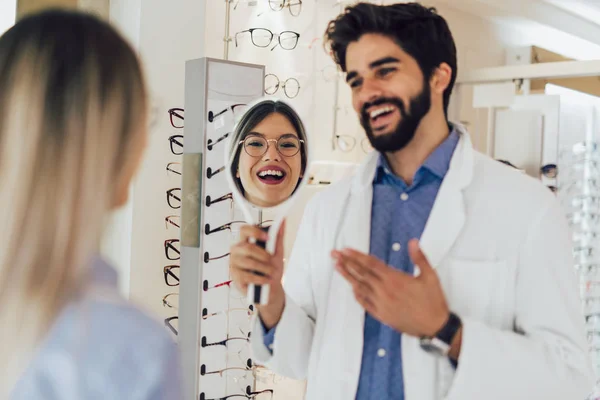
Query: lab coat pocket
pixel 483 290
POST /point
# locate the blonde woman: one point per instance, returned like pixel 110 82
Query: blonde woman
pixel 72 134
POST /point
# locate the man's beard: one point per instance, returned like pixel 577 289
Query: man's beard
pixel 407 126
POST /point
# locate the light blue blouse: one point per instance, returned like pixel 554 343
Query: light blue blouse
pixel 105 350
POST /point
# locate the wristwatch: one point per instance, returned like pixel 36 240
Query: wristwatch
pixel 440 343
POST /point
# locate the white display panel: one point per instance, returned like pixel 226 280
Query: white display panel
pixel 214 319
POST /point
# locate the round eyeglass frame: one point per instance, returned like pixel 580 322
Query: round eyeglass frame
pixel 243 143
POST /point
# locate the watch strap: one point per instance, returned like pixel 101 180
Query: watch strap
pixel 448 331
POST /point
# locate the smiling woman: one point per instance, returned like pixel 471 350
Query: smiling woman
pixel 270 153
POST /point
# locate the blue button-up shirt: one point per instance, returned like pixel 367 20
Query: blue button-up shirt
pixel 407 208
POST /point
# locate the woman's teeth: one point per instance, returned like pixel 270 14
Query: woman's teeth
pixel 270 172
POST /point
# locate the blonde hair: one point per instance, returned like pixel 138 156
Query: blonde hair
pixel 71 100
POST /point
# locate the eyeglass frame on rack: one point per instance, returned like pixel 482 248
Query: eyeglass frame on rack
pixel 172 140
pixel 210 144
pixel 166 303
pixel 169 169
pixel 210 173
pixel 210 202
pixel 167 270
pixel 212 115
pixel 171 194
pixel 278 35
pixel 286 3
pixel 169 325
pixel 169 245
pixel 169 220
pixel 174 112
pixel 282 85
pixel 227 226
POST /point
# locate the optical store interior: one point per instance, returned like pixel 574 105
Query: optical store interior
pixel 527 92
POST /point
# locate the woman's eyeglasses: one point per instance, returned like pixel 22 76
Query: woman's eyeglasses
pixel 170 220
pixel 210 201
pixel 171 252
pixel 227 226
pixel 210 173
pixel 176 142
pixel 233 108
pixel 174 198
pixel 170 278
pixel 207 257
pixel 291 86
pixel 261 37
pixel 256 146
pixel 176 116
pixel 210 143
pixel 171 168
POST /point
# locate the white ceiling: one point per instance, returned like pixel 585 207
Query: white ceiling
pixel 568 27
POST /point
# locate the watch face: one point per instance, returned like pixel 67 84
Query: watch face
pixel 435 346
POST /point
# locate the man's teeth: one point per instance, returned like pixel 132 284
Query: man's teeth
pixel 379 111
pixel 270 172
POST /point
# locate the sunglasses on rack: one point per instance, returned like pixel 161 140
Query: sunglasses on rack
pixel 171 252
pixel 171 279
pixel 210 143
pixel 174 198
pixel 176 116
pixel 233 108
pixel 176 142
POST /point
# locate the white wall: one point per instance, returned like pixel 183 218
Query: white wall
pixel 8 13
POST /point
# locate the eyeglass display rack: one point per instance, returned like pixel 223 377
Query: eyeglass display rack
pixel 579 191
pixel 211 310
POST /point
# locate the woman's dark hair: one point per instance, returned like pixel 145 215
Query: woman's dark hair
pixel 254 116
pixel 418 30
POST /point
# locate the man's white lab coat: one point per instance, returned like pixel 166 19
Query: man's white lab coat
pixel 501 246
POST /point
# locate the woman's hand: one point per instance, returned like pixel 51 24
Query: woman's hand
pixel 247 259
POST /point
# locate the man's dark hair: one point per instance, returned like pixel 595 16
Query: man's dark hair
pixel 418 30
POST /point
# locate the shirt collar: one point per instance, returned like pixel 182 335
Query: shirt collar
pixel 437 163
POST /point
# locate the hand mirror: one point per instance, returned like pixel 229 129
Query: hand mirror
pixel 266 160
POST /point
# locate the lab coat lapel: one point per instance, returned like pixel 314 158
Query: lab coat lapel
pixel 346 316
pixel 425 375
pixel 447 216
